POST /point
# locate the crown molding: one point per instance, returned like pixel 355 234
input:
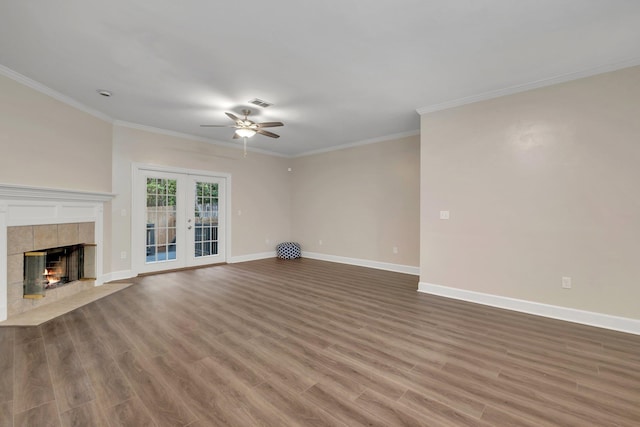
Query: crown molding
pixel 529 86
pixel 26 81
pixel 360 143
pixel 13 75
pixel 26 192
pixel 194 138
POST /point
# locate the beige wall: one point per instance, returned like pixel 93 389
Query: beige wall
pixel 360 201
pixel 46 143
pixel 540 185
pixel 260 187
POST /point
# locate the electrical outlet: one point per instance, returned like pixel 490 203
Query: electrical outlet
pixel 320 242
pixel 123 255
pixel 566 283
pixel 395 250
pixel 444 214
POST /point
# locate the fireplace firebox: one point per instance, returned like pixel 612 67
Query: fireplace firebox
pixel 54 267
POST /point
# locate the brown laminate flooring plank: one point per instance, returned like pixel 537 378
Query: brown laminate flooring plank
pixel 89 414
pixel 70 381
pixel 497 417
pixel 6 414
pixel 597 403
pixel 45 415
pixel 129 413
pixel 268 362
pixel 512 397
pixel 32 386
pixel 341 408
pixel 163 403
pixel 369 378
pixel 109 384
pixel 306 342
pixel 238 393
pixel 295 353
pixel 202 395
pixel 99 315
pixel 6 364
pixel 437 413
pixel 24 335
pixel 296 408
pixel 392 412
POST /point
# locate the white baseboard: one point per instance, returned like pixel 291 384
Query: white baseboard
pixel 590 318
pixel 117 275
pixel 399 268
pixel 252 257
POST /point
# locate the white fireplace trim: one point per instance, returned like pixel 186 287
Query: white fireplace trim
pixel 25 205
pixel 26 192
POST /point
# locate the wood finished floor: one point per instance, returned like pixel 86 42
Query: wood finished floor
pixel 310 343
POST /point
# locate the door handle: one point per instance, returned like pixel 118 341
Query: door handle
pixel 189 228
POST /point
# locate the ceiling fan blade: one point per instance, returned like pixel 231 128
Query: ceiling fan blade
pixel 267 133
pixel 232 117
pixel 269 124
pixel 217 126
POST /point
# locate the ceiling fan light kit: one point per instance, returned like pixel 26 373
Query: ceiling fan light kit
pixel 245 132
pixel 246 128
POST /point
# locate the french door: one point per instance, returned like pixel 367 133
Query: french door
pixel 179 220
pixel 205 225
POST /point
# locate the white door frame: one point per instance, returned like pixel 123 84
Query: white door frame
pixel 138 236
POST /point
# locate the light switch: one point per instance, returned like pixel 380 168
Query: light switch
pixel 444 214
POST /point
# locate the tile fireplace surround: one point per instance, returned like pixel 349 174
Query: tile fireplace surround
pixel 34 218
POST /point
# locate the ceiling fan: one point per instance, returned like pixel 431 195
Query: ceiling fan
pixel 246 128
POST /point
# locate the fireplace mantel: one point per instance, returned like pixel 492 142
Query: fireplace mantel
pixel 24 192
pixel 26 205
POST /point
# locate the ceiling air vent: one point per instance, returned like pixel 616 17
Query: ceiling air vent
pixel 260 103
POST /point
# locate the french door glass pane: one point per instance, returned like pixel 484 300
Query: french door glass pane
pixel 206 219
pixel 161 220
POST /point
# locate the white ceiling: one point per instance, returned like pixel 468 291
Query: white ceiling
pixel 339 72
